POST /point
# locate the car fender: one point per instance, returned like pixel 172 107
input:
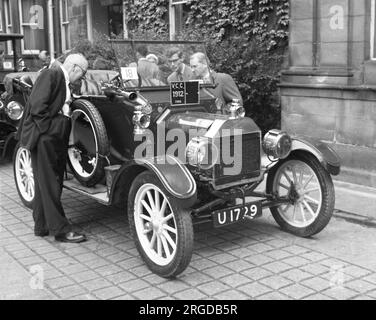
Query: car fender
pixel 328 158
pixel 173 174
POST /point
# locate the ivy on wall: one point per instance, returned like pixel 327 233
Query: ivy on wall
pixel 221 18
pixel 146 16
pixel 267 19
pixel 245 38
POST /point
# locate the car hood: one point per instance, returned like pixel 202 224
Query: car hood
pixel 212 125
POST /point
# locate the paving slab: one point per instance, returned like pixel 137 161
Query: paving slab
pixel 250 260
pixel 18 284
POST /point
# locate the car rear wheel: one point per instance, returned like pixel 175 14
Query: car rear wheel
pixel 303 180
pixel 163 233
pixel 88 143
pixel 23 175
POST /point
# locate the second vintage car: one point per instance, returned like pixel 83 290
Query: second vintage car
pixel 176 157
pixel 10 112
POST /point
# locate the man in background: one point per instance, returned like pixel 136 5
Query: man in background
pixel 181 72
pixel 46 60
pixel 225 87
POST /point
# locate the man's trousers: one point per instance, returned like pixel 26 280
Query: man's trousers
pixel 49 161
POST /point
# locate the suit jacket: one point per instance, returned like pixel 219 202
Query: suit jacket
pixel 226 88
pixel 187 75
pixel 42 109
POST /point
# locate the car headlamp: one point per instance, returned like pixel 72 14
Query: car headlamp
pixel 141 121
pixel 277 144
pixel 146 109
pixel 202 153
pixel 14 110
pixel 235 109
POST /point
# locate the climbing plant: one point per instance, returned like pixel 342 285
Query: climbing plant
pixel 145 16
pixel 245 38
pixel 222 18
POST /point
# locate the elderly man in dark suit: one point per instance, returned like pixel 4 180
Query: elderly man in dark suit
pixel 45 131
pixel 181 72
pixel 225 87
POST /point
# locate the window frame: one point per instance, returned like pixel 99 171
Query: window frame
pixel 174 8
pixel 22 30
pixel 373 31
pixel 8 24
pixel 65 25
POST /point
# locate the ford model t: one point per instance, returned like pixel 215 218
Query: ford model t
pixel 176 157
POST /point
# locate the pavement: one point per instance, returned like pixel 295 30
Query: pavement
pixel 356 200
pixel 250 260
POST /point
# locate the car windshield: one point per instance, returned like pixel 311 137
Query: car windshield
pixel 158 63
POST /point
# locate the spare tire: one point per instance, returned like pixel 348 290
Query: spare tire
pixel 88 143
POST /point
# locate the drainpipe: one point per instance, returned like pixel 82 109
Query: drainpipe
pixel 89 19
pixel 51 40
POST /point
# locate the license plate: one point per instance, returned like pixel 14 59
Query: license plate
pixel 232 215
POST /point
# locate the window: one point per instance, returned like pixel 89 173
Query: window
pixel 178 15
pixel 8 23
pixel 181 12
pixel 1 18
pixel 115 20
pixel 75 20
pixel 64 22
pixel 33 25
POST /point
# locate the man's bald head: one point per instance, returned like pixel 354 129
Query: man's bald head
pixel 76 59
pixel 76 66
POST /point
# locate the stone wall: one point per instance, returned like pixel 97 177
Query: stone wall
pixel 329 90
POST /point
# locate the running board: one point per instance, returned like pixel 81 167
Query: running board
pixel 98 192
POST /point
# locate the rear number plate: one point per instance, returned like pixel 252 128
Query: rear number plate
pixel 231 215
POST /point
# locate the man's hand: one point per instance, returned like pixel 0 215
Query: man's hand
pixel 66 109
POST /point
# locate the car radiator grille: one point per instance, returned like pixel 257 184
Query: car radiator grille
pixel 249 166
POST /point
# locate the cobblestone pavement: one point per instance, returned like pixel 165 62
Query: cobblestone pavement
pixel 251 260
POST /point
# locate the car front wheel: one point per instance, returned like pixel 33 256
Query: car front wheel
pixel 163 233
pixel 23 175
pixel 309 188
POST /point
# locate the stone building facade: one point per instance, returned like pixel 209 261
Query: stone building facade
pixel 55 25
pixel 328 90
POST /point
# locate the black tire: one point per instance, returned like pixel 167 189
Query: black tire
pixel 320 208
pixel 162 264
pixel 88 143
pixel 23 176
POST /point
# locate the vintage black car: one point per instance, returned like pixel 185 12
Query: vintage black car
pixel 10 113
pixel 176 157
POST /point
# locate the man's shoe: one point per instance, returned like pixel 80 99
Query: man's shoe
pixel 72 237
pixel 42 233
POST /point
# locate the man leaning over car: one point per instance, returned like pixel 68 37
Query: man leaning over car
pixel 225 87
pixel 45 131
